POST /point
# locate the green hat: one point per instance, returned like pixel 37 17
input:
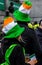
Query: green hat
pixel 22 14
pixel 14 32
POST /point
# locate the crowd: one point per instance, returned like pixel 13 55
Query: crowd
pixel 20 37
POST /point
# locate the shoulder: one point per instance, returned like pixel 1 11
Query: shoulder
pixel 17 49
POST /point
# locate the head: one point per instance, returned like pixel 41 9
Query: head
pixel 22 14
pixel 35 22
pixel 11 28
pixel 11 3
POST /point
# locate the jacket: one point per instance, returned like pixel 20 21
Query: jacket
pixel 17 55
pixel 30 37
pixel 39 35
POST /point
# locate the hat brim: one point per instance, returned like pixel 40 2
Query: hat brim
pixel 21 16
pixel 15 34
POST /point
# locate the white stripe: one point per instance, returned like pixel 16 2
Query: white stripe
pixel 23 10
pixel 34 57
pixel 9 26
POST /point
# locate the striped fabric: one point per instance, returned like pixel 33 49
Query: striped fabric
pixel 8 24
pixel 23 10
pixel 7 21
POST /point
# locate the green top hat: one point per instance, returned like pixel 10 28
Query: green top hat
pixel 14 32
pixel 21 16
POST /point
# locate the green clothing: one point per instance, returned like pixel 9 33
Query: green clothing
pixel 8 53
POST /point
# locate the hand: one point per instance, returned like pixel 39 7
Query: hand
pixel 32 62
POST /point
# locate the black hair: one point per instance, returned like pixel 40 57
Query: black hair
pixel 35 22
pixel 40 22
pixel 20 23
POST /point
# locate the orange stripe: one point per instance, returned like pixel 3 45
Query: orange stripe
pixel 26 6
pixel 7 21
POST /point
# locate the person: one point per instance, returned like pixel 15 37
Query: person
pixel 29 36
pixel 7 21
pixel 13 47
pixel 1 37
pixel 11 8
pixel 39 35
pixel 22 17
